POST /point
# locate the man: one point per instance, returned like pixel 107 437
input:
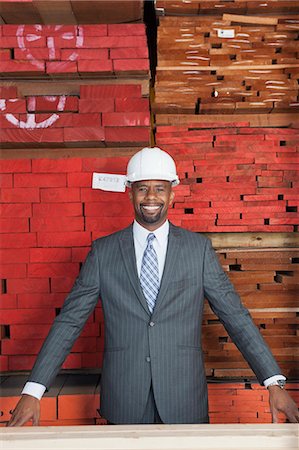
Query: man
pixel 152 278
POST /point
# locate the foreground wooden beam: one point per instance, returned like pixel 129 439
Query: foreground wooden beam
pixel 256 240
pixel 183 437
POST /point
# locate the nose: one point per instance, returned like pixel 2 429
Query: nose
pixel 151 193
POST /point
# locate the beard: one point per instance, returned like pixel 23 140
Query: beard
pixel 150 218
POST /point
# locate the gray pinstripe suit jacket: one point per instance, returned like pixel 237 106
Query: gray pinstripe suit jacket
pixel 166 353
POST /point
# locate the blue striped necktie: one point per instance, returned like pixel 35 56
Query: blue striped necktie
pixel 149 274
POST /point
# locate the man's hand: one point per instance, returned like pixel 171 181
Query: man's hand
pixel 282 402
pixel 28 408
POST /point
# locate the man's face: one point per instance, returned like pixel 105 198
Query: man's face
pixel 151 200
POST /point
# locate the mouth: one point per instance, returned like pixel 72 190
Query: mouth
pixel 151 208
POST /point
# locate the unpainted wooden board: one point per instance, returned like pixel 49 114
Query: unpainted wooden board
pixel 148 437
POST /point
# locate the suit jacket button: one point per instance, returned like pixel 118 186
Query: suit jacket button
pixel 148 359
pixel 151 324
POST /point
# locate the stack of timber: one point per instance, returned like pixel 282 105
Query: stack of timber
pixel 267 281
pixel 229 63
pixel 234 178
pixel 100 115
pixel 97 89
pixel 70 12
pixel 195 7
pixel 74 400
pixel 64 51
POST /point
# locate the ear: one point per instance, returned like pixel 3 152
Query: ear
pixel 171 197
pixel 130 194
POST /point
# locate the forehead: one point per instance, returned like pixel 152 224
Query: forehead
pixel 152 183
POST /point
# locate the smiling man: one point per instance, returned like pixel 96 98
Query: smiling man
pixel 151 200
pixel 152 278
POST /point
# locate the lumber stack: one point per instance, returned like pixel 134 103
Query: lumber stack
pixel 204 7
pixel 267 281
pixel 234 178
pixel 228 64
pixel 66 50
pixel 101 115
pixel 70 11
pixel 50 214
pixel 74 400
pixel 96 95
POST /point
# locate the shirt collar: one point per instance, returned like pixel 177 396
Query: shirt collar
pixel 141 233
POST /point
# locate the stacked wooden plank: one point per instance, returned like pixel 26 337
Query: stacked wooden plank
pixel 83 50
pixel 69 110
pixel 70 11
pixel 80 391
pixel 267 281
pixel 74 400
pixel 234 178
pixel 195 7
pixel 229 64
pixel 49 216
pixel 101 115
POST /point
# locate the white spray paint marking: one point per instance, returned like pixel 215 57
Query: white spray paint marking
pixel 22 46
pixel 79 43
pixel 23 38
pixel 2 104
pixel 32 37
pixel 61 103
pixel 31 123
pixel 51 47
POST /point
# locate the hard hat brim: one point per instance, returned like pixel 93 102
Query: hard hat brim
pixel 174 182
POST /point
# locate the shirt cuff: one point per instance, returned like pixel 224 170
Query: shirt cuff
pixel 36 390
pixel 270 380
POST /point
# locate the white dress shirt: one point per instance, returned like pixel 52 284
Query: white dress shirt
pixel 140 234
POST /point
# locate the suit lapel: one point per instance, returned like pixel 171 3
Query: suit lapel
pixel 173 248
pixel 128 255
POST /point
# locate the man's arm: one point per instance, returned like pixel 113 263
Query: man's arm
pixel 64 332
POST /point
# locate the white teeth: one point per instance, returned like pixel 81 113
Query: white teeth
pixel 151 208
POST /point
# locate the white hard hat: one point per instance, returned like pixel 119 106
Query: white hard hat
pixel 152 164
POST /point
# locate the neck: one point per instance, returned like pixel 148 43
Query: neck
pixel 151 226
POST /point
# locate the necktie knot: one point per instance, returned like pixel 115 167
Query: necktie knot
pixel 150 238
